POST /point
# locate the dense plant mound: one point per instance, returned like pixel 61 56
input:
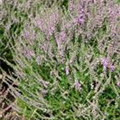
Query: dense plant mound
pixel 66 58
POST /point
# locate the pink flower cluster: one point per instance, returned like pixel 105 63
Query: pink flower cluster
pixel 28 53
pixel 48 25
pixel 107 64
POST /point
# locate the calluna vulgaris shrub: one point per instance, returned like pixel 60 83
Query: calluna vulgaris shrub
pixel 66 59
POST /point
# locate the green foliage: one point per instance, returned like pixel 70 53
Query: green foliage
pixel 45 90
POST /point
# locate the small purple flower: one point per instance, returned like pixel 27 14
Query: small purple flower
pixel 40 24
pixel 30 36
pixel 48 24
pixel 118 84
pixel 67 70
pixel 44 92
pixel 45 47
pixel 60 39
pixel 105 62
pixel 62 36
pixel 29 53
pixel 80 21
pixel 81 15
pixel 44 83
pixel 51 30
pixel 77 85
pixel 26 34
pixel 112 68
pixel 38 60
pixel 70 5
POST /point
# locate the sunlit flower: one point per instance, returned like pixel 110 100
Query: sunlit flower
pixel 118 84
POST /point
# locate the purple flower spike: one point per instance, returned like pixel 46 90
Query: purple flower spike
pixel 38 60
pixel 80 20
pixel 26 35
pixel 112 67
pixel 105 63
pixel 29 53
pixel 29 36
pixel 77 85
pixel 70 5
pixel 62 36
pixel 67 70
pixel 51 30
pixel 40 24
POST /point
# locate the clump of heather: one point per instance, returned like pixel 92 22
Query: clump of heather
pixel 66 60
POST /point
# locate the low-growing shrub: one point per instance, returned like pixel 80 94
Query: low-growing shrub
pixel 66 58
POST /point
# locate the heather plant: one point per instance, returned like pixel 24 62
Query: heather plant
pixel 66 56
